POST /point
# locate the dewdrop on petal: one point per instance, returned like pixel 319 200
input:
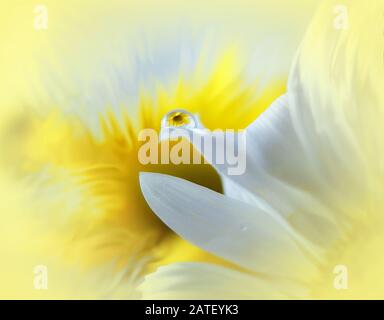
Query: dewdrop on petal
pixel 179 118
pixel 179 123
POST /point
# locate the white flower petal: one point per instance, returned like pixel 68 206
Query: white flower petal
pixel 207 281
pixel 229 228
pixel 233 190
pixel 281 176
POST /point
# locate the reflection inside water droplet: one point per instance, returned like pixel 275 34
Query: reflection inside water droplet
pixel 179 118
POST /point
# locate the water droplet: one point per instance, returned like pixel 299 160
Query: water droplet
pixel 179 118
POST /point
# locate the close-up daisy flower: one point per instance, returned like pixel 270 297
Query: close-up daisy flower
pixel 84 217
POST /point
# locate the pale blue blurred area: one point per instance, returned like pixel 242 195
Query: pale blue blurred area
pixel 97 62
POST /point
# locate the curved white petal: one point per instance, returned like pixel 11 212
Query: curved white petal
pixel 281 172
pixel 231 229
pixel 207 281
pixel 282 177
pixel 233 190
